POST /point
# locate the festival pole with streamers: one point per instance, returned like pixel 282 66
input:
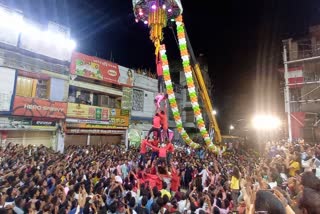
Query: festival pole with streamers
pixel 172 99
pixel 190 83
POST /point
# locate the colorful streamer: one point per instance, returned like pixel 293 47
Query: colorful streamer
pixel 190 83
pixel 172 100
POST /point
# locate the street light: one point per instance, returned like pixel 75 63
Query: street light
pixel 214 112
pixel 15 21
pixel 231 128
pixel 266 122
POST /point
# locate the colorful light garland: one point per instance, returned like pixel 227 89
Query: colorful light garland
pixel 190 83
pixel 157 21
pixel 172 99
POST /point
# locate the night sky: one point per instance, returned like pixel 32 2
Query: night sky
pixel 242 40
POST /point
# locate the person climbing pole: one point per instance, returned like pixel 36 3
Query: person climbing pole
pixel 164 123
pixel 160 74
pixel 156 125
pixel 158 99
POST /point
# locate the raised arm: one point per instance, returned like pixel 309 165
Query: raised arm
pixel 153 147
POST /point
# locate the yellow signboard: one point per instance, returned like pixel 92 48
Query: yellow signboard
pixel 119 117
pixel 76 110
pixel 115 117
pixel 92 126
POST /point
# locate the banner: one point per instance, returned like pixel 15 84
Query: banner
pixel 94 68
pixel 94 131
pixel 114 117
pixel 295 76
pixel 92 126
pixel 126 76
pixel 7 83
pixel 119 117
pixel 72 120
pixel 76 110
pixel 100 69
pixel 10 123
pixel 34 107
pixel 43 123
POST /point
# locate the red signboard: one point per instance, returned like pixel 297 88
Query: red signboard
pixel 94 68
pixel 34 107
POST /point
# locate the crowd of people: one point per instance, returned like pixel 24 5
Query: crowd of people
pixel 111 179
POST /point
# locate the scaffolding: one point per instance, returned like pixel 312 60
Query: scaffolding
pixel 303 95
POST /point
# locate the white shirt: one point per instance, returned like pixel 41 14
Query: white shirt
pixel 183 205
pixel 204 178
pixel 308 165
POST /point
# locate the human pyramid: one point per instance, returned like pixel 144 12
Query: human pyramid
pixel 161 144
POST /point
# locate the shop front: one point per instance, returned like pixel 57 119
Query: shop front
pixel 33 121
pixel 92 125
pixel 25 131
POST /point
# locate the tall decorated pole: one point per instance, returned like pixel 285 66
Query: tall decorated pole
pixel 190 83
pixel 155 14
pixel 172 99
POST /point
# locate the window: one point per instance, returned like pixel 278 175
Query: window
pixel 28 87
pixel 95 99
pixel 138 100
pixel 304 48
pixel 41 89
pixel 190 116
pixel 72 94
pixel 112 102
pixel 24 87
pixel 84 98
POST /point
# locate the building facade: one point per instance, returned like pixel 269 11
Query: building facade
pixel 143 109
pixel 303 55
pixel 54 96
pixel 99 101
pixel 34 78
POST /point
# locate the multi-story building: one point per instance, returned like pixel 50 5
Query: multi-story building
pixel 53 96
pixel 34 78
pixel 99 102
pixel 303 60
pixel 143 109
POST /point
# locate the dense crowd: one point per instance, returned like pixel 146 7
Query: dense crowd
pixel 110 179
